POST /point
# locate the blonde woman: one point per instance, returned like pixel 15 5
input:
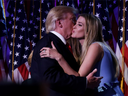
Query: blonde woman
pixel 95 54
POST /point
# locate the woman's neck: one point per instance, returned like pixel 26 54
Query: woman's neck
pixel 81 41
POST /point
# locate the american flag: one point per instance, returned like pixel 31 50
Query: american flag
pixel 3 43
pixel 18 40
pixel 36 19
pixel 113 17
pixel 2 66
pixel 106 10
pixel 3 28
pixel 101 11
pixel 119 47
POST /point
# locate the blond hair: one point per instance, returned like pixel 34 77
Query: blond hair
pixel 76 48
pixel 58 12
pixel 30 58
pixel 94 30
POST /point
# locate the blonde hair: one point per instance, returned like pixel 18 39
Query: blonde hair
pixel 76 48
pixel 94 30
pixel 30 58
pixel 58 12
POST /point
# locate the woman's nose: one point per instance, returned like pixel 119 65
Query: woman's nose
pixel 74 26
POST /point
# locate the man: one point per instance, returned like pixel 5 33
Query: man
pixel 59 25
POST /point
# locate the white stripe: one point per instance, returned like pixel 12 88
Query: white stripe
pixel 126 43
pixel 17 76
pixel 119 56
pixel 28 67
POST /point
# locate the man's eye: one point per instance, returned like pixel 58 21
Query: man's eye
pixel 73 20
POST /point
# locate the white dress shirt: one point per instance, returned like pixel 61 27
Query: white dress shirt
pixel 59 36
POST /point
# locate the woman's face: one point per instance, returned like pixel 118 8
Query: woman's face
pixel 79 28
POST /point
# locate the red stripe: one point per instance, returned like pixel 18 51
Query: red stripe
pixel 125 54
pixel 23 71
pixel 125 89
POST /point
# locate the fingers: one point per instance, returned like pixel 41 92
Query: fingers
pixel 99 78
pixel 94 71
pixel 44 48
pixel 44 52
pixel 53 45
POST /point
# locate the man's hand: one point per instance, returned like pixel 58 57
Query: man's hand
pixel 93 81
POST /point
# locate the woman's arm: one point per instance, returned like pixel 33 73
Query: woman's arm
pixel 94 54
pixel 54 54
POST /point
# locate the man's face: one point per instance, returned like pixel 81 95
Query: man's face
pixel 68 24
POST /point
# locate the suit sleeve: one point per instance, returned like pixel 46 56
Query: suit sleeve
pixel 46 69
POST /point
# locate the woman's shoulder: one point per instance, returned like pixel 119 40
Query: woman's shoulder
pixel 96 45
pixel 97 49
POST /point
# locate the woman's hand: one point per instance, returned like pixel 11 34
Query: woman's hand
pixel 50 52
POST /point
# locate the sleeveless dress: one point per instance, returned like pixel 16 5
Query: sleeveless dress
pixel 109 85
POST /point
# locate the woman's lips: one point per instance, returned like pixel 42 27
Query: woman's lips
pixel 73 31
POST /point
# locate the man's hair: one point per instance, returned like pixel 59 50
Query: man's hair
pixel 58 12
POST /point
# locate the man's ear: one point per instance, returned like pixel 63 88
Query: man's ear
pixel 59 23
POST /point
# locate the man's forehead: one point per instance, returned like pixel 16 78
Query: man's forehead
pixel 71 15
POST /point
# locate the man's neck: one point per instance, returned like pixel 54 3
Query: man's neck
pixel 59 36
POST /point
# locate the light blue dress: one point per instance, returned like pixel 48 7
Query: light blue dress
pixel 109 85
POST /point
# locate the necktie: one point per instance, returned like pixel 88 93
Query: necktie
pixel 69 47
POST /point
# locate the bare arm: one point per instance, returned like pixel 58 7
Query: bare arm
pixel 94 54
pixel 54 54
pixel 88 64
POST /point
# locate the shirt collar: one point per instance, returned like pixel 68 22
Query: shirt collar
pixel 59 36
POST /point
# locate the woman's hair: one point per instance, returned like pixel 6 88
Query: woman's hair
pixel 58 12
pixel 30 58
pixel 94 31
pixel 76 48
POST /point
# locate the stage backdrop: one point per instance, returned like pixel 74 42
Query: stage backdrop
pixel 22 24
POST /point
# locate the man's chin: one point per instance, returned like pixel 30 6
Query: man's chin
pixel 68 37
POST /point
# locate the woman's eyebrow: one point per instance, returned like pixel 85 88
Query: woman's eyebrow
pixel 80 22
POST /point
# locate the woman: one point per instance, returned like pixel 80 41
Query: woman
pixel 95 54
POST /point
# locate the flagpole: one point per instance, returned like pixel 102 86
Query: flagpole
pixel 81 7
pixel 40 18
pixel 5 21
pixel 123 45
pixel 13 44
pixel 4 9
pixel 93 7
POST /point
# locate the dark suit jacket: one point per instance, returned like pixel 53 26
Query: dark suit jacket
pixel 49 71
